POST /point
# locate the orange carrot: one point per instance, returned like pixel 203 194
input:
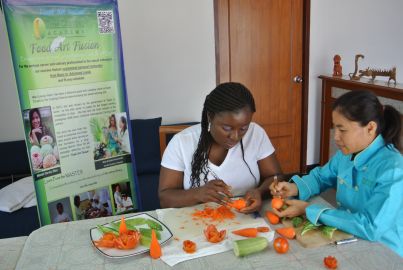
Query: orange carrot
pixel 237 204
pixel 273 218
pixel 277 203
pixel 213 235
pixel 155 248
pixel 215 214
pixel 122 227
pixel 287 232
pixel 127 240
pixel 189 246
pixel 263 229
pixel 247 232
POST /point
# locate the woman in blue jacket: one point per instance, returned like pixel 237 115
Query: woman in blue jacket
pixel 367 173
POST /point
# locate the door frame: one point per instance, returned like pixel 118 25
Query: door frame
pixel 222 60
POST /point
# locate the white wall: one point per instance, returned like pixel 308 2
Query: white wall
pixel 169 57
pixel 372 28
pixel 168 51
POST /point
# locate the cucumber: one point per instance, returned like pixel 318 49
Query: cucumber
pixel 145 241
pixel 248 246
pixel 104 229
pixel 147 233
pixel 135 221
pixel 154 225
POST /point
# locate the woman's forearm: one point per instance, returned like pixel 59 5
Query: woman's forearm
pixel 178 197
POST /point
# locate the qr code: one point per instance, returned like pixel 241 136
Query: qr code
pixel 105 21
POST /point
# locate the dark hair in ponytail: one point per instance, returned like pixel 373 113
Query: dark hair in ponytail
pixel 364 106
pixel 226 97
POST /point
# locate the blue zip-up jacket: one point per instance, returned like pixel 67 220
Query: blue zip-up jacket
pixel 369 194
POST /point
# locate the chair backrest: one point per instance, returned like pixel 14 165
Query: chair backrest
pixel 167 132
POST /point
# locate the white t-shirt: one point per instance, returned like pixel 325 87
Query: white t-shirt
pixel 63 217
pixel 124 140
pixel 233 170
pixel 118 198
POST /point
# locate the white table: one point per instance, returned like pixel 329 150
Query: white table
pixel 68 246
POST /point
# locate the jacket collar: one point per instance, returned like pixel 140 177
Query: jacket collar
pixel 362 158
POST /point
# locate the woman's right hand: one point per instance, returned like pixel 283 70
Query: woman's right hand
pixel 37 130
pixel 283 189
pixel 214 191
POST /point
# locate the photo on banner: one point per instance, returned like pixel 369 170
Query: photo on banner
pixel 68 65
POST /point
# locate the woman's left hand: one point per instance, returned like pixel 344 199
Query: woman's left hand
pixel 295 208
pixel 253 201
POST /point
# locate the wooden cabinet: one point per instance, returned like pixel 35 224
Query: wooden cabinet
pixel 333 87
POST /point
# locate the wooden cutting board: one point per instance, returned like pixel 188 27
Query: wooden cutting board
pixel 183 225
pixel 315 238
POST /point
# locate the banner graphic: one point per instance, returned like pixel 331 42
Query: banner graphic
pixel 67 58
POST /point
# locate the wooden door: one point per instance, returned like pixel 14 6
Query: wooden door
pixel 259 43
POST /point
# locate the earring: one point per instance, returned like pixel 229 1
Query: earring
pixel 209 127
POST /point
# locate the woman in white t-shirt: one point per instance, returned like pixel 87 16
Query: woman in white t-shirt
pixel 226 155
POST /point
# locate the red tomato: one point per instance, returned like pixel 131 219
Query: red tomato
pixel 330 262
pixel 280 244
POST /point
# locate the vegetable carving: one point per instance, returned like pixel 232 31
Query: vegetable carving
pixel 189 246
pixel 122 227
pixel 277 203
pixel 237 204
pixel 155 248
pixel 124 239
pixel 213 235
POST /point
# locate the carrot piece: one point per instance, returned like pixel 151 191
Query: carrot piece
pixel 107 241
pixel 247 232
pixel 122 227
pixel 128 240
pixel 189 246
pixel 277 203
pixel 155 248
pixel 213 235
pixel 273 218
pixel 263 229
pixel 237 204
pixel 288 232
pixel 214 214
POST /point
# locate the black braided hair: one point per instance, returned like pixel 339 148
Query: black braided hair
pixel 226 97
